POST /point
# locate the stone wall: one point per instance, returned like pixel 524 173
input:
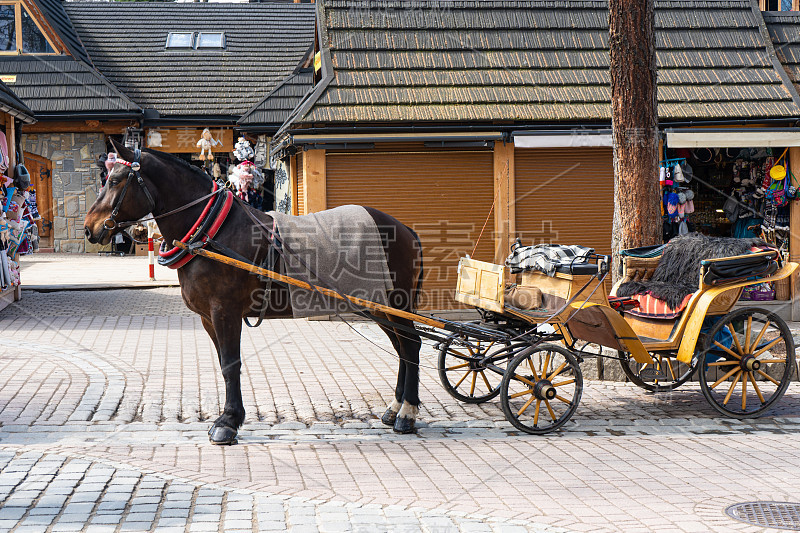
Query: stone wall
pixel 76 180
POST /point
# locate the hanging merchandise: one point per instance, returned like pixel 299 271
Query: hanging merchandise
pixel 245 178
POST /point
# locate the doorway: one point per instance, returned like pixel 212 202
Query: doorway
pixel 41 171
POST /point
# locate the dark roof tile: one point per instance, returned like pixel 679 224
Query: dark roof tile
pixel 127 42
pixel 275 108
pixel 61 85
pixel 537 60
pixel 10 103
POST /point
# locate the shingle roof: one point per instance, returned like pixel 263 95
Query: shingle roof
pixel 126 41
pixel 275 108
pixel 784 30
pixel 10 103
pixel 537 60
pixel 61 85
pixel 57 18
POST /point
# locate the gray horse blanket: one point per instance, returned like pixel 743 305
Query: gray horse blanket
pixel 339 249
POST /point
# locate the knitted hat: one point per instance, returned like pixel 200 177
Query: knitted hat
pixel 672 201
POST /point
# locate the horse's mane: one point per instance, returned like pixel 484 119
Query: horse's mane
pixel 177 161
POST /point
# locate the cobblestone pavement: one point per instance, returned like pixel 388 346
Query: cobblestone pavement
pixel 106 397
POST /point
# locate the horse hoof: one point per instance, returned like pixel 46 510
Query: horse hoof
pixel 389 417
pixel 222 435
pixel 404 425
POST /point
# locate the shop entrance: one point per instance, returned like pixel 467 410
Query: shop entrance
pixel 41 171
pixel 730 192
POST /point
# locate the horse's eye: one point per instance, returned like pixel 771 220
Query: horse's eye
pixel 113 183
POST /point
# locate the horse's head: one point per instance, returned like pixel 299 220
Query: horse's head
pixel 123 198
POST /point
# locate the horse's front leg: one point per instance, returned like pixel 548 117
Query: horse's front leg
pixel 227 332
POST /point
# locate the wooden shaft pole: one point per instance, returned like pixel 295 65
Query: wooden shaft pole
pixel 304 285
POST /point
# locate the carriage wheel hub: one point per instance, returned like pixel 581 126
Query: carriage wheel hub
pixel 544 390
pixel 749 363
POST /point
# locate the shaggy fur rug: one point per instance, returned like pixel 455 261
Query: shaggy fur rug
pixel 678 270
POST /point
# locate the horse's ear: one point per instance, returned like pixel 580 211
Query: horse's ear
pixel 122 151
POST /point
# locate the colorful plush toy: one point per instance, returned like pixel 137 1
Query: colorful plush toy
pixel 242 150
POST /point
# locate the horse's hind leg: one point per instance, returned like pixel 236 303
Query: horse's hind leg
pixel 227 328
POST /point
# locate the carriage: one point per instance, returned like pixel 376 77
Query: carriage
pixel 744 358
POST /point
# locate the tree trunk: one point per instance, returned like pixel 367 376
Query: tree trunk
pixel 637 195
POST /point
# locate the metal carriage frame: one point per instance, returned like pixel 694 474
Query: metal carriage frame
pixel 531 359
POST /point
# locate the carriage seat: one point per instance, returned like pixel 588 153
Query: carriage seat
pixel 640 264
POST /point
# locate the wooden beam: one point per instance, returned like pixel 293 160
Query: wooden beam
pixel 314 181
pixel 504 199
pixel 114 127
pixel 11 136
pixel 794 232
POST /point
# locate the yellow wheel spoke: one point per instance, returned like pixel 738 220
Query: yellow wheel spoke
pixel 723 378
pixel 730 390
pixel 457 366
pixel 536 413
pixel 744 390
pixel 564 383
pixel 557 371
pixel 518 394
pixel 768 346
pixel 671 370
pixel 546 364
pixel 530 364
pixel 772 360
pixel 725 349
pixel 755 387
pixel 747 332
pixel 562 399
pixel 460 381
pixel 459 354
pixel 768 377
pixel 525 380
pixel 758 339
pixel 472 387
pixel 723 363
pixel 488 386
pixel 522 410
pixel 552 414
pixel 735 338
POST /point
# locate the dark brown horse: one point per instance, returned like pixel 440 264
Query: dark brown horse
pixel 224 295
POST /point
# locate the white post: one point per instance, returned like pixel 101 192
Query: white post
pixel 151 229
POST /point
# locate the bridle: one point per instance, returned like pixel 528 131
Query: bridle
pixel 111 223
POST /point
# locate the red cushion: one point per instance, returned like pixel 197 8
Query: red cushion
pixel 652 307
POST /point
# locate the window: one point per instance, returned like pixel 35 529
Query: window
pixel 211 40
pixel 20 33
pixel 33 41
pixel 8 26
pixel 180 40
pixel 196 40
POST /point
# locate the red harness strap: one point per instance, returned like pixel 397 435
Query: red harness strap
pixel 212 231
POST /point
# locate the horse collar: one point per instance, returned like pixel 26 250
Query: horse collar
pixel 206 227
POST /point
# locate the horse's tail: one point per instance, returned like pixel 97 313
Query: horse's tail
pixel 418 288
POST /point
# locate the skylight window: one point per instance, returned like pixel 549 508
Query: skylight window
pixel 180 40
pixel 210 40
pixel 196 40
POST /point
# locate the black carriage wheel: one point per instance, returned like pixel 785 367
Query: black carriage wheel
pixel 462 372
pixel 666 373
pixel 541 389
pixel 746 362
